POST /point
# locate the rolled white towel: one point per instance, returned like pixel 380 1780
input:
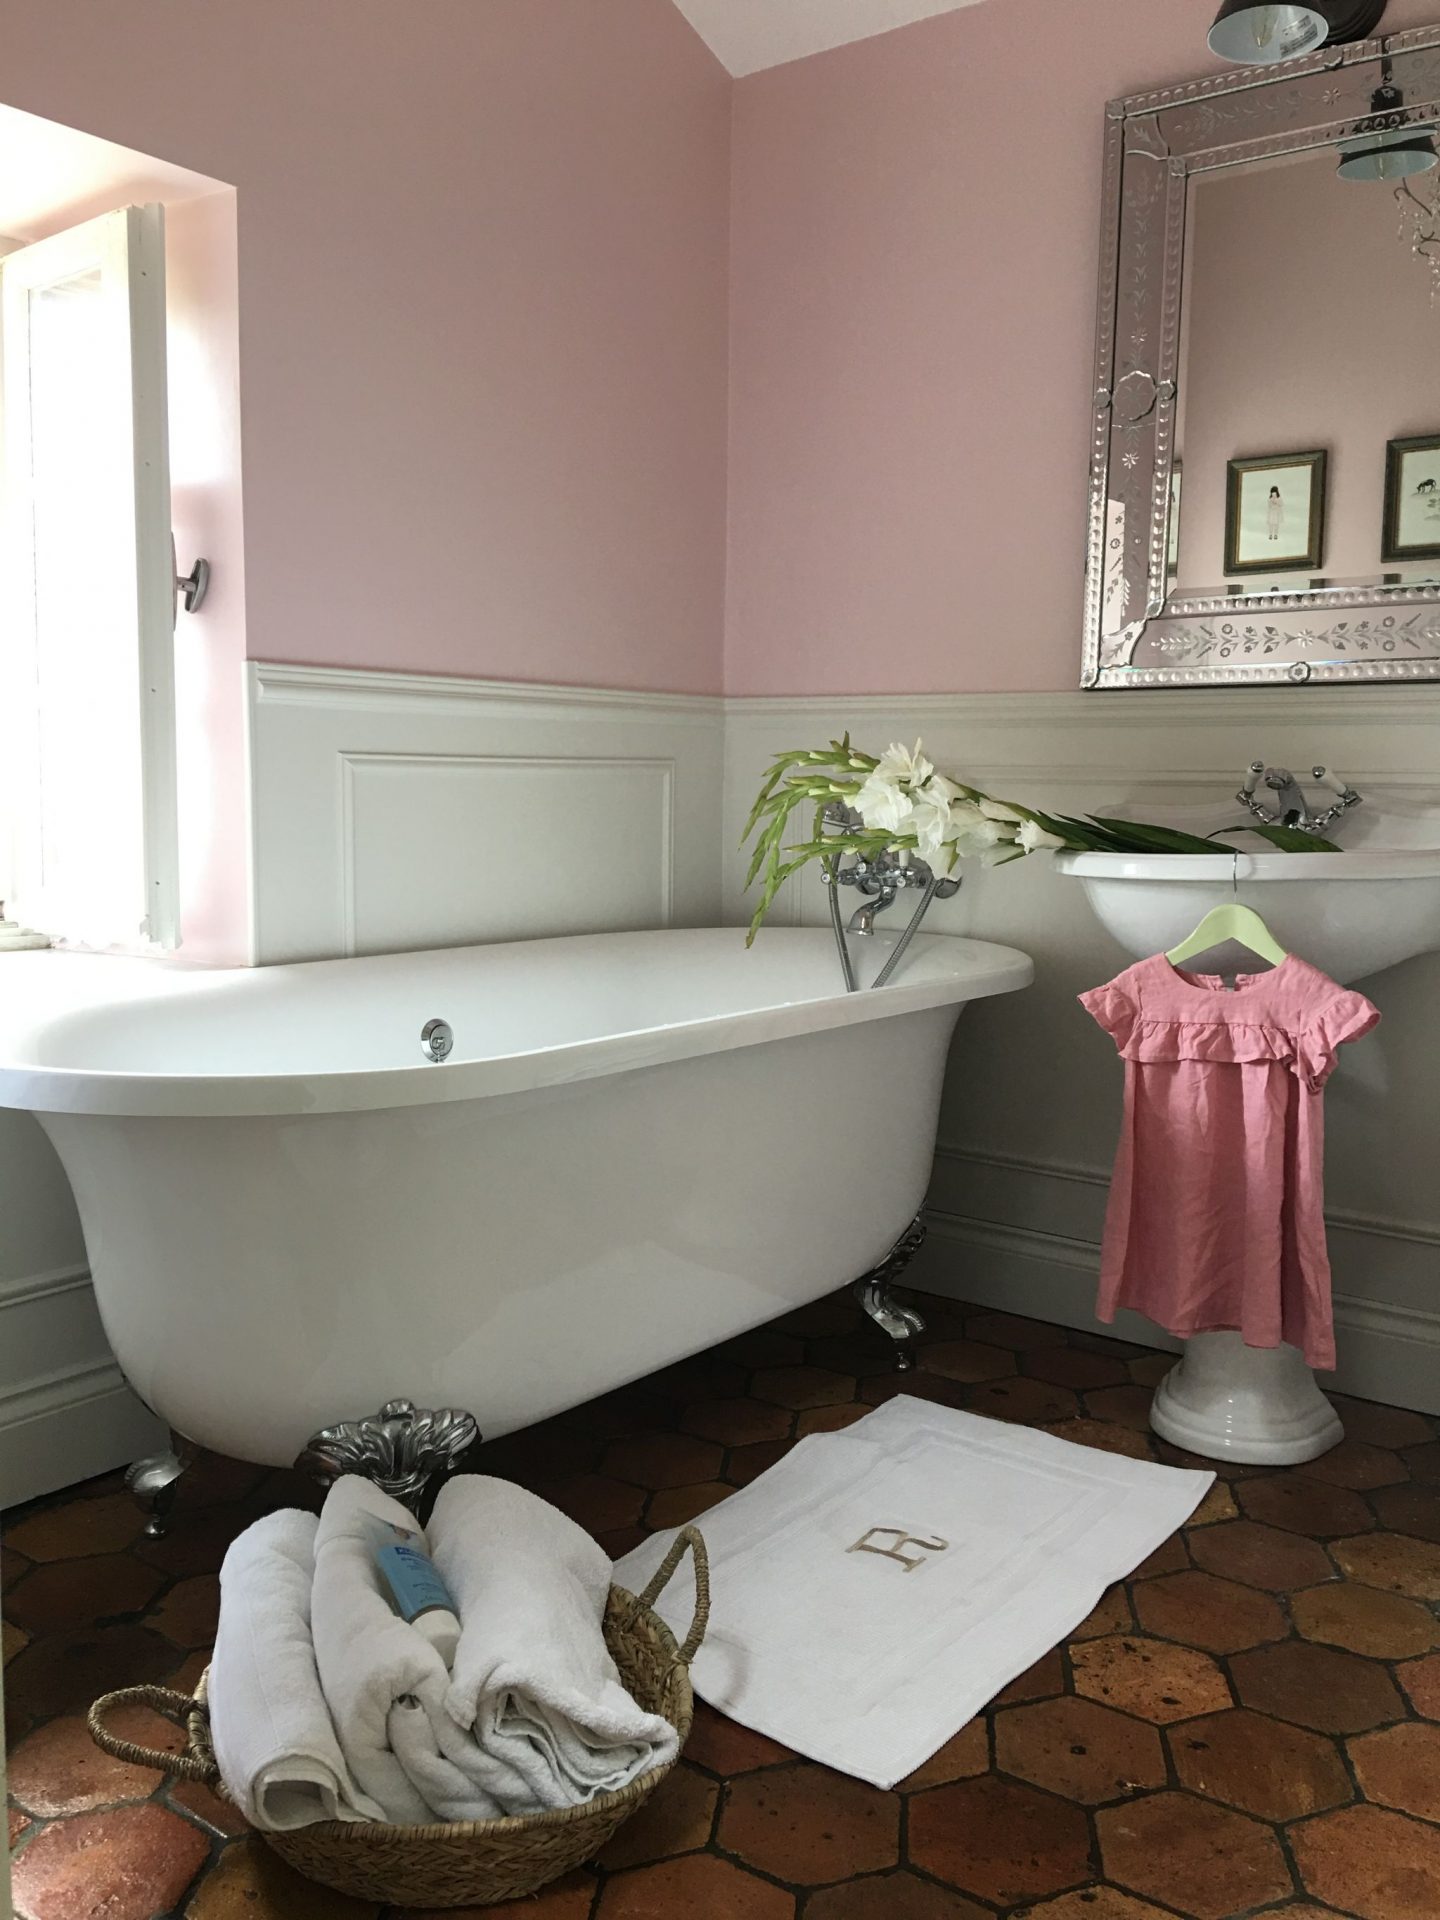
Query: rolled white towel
pixel 384 1683
pixel 275 1742
pixel 533 1682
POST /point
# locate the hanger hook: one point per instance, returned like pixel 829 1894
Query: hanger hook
pixel 1235 871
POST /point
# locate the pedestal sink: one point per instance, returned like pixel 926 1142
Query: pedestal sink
pixel 1350 914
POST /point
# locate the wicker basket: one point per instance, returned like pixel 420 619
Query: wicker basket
pixel 472 1863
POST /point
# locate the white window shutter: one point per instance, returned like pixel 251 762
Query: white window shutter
pixel 87 639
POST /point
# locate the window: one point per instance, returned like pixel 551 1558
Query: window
pixel 87 609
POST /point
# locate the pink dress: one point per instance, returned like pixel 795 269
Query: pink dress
pixel 1216 1218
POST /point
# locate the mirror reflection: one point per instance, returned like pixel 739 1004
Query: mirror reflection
pixel 1291 475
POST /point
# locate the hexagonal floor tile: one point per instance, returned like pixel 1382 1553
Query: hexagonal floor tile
pixel 1400 1768
pixel 726 1747
pixel 1421 1681
pixel 700 1884
pixel 1317 1687
pixel 1031 1402
pixel 64 1672
pixel 78 1528
pixel 1382 1426
pixel 744 1464
pixel 970 1361
pixel 1261 1556
pixel 1149 1678
pixel 961 1758
pixel 829 1419
pixel 1193 1855
pixel 999 1841
pixel 1203 1610
pixel 596 1502
pixel 1367 1860
pixel 1110 1614
pixel 677 1818
pixel 807 1825
pixel 658 1460
pixel 1102 1903
pixel 250 1880
pixel 1357 1465
pixel 1083 1432
pixel 891 1896
pixel 737 1422
pixel 74 1593
pixel 1368 1620
pixel 127 1864
pixel 676 1505
pixel 1409 1509
pixel 58 1769
pixel 1079 1750
pixel 1070 1367
pixel 1393 1560
pixel 1298 1505
pixel 1127 1406
pixel 800 1387
pixel 1014 1331
pixel 190 1612
pixel 1039 1682
pixel 1262 1766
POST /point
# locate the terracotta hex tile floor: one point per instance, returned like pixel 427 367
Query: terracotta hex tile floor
pixel 1247 1726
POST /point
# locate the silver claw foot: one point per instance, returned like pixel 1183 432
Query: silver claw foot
pixel 154 1481
pixel 873 1291
pixel 402 1448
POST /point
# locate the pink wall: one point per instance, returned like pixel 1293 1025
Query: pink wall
pixel 482 313
pixel 914 228
pixel 1311 325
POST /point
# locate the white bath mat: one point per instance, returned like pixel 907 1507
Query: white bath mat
pixel 876 1588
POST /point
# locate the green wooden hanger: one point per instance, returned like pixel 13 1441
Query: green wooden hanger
pixel 1233 921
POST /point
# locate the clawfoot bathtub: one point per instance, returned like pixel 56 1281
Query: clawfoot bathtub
pixel 638 1145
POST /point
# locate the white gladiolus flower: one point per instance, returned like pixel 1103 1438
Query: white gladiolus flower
pixel 883 804
pixel 1032 837
pixel 997 810
pixel 973 828
pixel 900 764
pixel 931 820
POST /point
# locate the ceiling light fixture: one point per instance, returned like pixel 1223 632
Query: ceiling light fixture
pixel 1255 34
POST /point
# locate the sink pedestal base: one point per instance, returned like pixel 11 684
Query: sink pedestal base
pixel 1259 1405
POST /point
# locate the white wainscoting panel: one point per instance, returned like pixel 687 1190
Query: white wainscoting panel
pixel 393 811
pixel 65 1412
pixel 1032 1098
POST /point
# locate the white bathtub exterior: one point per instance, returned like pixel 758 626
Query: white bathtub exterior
pixel 642 1144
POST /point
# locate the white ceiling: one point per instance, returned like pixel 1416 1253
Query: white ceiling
pixel 746 35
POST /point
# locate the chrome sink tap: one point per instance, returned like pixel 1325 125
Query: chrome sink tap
pixel 1292 807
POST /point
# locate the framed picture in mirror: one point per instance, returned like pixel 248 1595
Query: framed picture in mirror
pixel 1412 499
pixel 1275 513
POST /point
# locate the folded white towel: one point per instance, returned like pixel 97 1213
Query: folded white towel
pixel 274 1739
pixel 384 1683
pixel 533 1682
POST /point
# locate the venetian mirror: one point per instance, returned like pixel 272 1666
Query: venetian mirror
pixel 1265 476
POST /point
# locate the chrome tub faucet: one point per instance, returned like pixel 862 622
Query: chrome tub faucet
pixel 1292 807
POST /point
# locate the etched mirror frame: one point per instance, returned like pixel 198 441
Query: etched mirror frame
pixel 1136 634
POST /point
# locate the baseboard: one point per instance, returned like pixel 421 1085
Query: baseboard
pixel 69 1426
pixel 1386 1352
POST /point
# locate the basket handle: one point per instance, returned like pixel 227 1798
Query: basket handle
pixel 688 1538
pixel 179 1707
